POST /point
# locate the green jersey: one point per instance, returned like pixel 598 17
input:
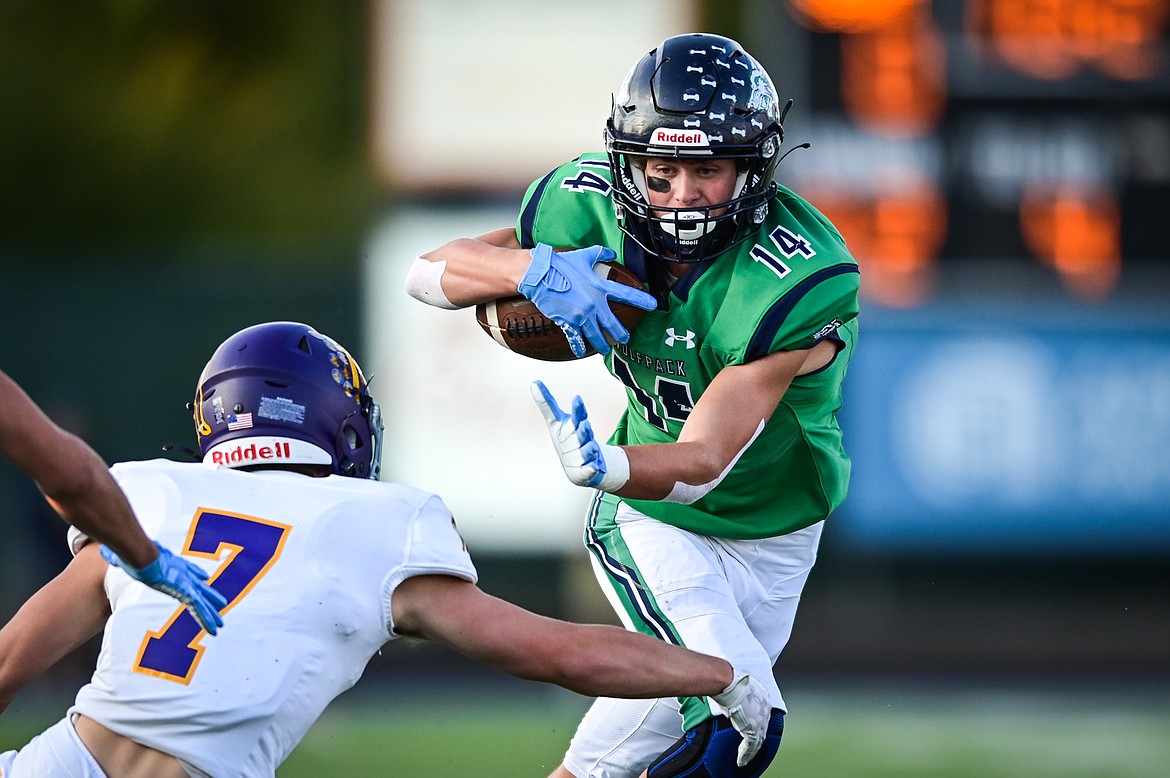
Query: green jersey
pixel 789 287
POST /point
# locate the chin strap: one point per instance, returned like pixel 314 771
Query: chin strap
pixel 175 448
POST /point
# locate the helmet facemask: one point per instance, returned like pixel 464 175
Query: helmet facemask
pixel 694 233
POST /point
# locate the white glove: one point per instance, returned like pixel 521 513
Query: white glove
pixel 745 702
pixel 586 462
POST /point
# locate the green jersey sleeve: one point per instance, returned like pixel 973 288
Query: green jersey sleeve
pixel 819 304
pixel 811 312
pixel 570 207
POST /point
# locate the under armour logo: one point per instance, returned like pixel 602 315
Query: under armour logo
pixel 672 338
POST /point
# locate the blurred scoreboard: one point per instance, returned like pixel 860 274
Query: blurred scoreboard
pixel 979 129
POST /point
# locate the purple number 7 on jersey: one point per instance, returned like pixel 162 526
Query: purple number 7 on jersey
pixel 173 652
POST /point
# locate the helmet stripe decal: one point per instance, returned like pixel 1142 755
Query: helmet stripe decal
pixel 201 425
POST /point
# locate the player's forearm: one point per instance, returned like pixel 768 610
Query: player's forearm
pixel 86 496
pixel 475 271
pixel 656 470
pixel 70 474
pixel 588 659
pixel 725 421
pixel 611 662
pixel 66 612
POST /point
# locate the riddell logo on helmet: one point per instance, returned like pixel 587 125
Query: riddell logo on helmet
pixel 669 137
pixel 251 453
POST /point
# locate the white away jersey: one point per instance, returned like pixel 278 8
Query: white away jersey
pixel 308 566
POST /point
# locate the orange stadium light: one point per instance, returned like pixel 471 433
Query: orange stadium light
pixel 1077 231
pixel 1056 39
pixel 893 61
pixel 895 235
pixel 849 16
pixel 893 79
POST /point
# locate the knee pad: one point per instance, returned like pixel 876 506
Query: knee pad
pixel 709 751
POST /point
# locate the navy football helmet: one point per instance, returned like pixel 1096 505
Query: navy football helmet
pixel 283 393
pixel 696 96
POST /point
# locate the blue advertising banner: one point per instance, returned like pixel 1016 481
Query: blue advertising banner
pixel 1004 433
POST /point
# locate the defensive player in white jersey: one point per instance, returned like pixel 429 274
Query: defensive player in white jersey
pixel 321 564
pixel 76 482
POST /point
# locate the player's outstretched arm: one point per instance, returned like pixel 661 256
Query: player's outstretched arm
pixel 77 483
pixel 590 659
pixel 71 475
pixel 595 660
pixel 66 612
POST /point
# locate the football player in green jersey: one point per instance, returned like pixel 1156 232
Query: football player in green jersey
pixel 713 489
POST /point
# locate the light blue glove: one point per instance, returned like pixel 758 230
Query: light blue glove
pixel 585 461
pixel 180 579
pixel 567 290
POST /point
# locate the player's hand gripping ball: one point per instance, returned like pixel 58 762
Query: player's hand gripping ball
pixel 518 325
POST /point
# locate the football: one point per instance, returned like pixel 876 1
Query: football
pixel 518 325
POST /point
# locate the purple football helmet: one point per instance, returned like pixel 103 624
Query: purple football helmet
pixel 283 393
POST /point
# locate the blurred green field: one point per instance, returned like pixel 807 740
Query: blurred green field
pixel 866 733
pixel 957 731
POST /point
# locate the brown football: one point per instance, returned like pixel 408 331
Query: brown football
pixel 518 325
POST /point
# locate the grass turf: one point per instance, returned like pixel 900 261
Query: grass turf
pixel 955 731
pixel 950 732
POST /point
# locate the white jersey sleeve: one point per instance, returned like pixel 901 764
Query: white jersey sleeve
pixel 308 566
pixel 435 547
